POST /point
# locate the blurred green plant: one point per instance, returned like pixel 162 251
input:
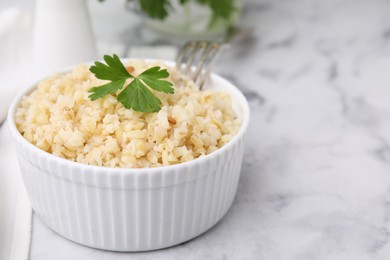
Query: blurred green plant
pixel 160 9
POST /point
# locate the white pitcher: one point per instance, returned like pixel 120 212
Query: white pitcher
pixel 62 35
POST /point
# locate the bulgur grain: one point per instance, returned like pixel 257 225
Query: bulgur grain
pixel 59 118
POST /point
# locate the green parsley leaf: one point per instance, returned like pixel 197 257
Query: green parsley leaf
pixel 109 88
pixel 136 94
pixel 221 9
pixel 155 9
pixel 152 77
pixel 138 97
pixel 114 70
pixel 159 9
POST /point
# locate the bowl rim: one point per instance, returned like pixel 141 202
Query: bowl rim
pixel 234 92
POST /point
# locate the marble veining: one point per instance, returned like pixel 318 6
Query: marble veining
pixel 315 181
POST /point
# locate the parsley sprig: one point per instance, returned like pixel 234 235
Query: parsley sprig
pixel 136 95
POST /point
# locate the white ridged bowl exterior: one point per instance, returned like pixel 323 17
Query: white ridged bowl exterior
pixel 132 209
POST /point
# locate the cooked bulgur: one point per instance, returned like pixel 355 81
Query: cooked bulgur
pixel 59 118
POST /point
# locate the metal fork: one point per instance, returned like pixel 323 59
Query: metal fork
pixel 196 58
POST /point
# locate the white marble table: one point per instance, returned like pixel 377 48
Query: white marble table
pixel 315 182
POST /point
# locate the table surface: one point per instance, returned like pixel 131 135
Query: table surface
pixel 315 182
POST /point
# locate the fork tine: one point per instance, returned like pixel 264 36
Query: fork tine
pixel 182 55
pixel 192 57
pixel 201 62
pixel 203 70
pixel 196 59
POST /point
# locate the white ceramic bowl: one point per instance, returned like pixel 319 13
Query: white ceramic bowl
pixel 132 209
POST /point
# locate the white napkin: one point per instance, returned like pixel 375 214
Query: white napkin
pixel 15 208
pixel 15 54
